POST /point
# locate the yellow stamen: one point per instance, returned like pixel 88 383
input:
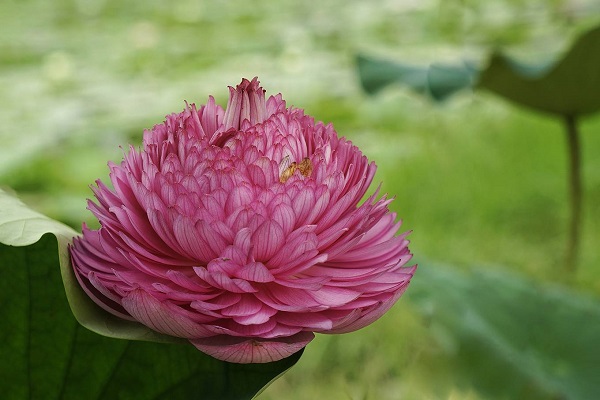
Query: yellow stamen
pixel 305 168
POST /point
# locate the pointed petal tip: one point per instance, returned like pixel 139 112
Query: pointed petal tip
pixel 249 85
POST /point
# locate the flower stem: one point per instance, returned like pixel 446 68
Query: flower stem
pixel 575 190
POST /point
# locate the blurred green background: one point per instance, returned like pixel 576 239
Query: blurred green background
pixel 481 183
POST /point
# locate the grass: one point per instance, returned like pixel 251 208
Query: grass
pixel 479 182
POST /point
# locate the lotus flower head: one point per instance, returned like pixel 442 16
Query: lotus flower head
pixel 242 230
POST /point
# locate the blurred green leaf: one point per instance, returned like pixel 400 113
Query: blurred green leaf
pixel 568 86
pixel 46 354
pixel 438 81
pixel 510 337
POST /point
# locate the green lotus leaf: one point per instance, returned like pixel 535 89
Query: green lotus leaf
pixel 22 226
pixel 567 87
pixel 510 337
pixel 46 354
pixel 437 81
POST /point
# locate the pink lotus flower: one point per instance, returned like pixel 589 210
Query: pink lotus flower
pixel 241 231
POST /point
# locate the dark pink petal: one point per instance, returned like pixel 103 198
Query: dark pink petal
pixel 164 230
pixel 224 282
pixel 255 272
pixel 301 264
pixel 363 302
pixel 333 296
pixel 191 241
pixel 90 254
pixel 313 321
pixel 300 246
pixel 338 208
pixel 289 299
pixel 211 116
pixel 161 316
pixel 345 243
pixel 248 330
pixel 379 254
pixel 216 242
pixel 249 350
pixel 257 175
pixel 282 330
pixel 140 226
pixel 242 240
pixel 319 208
pixel 187 282
pixel 267 240
pixel 301 282
pixel 174 292
pixel 285 216
pixel 101 297
pixel 275 104
pixel 383 230
pixel 223 231
pixel 370 314
pixel 253 320
pixel 238 197
pixel 217 302
pixel 343 274
pixel 247 305
pixel 246 103
pixel 303 204
pixel 148 253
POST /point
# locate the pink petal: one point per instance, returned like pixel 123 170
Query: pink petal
pixel 257 175
pixel 275 104
pixel 286 217
pixel 192 243
pixel 218 302
pixel 244 329
pixel 314 321
pixel 238 197
pixel 247 305
pixel 255 272
pixel 251 320
pixel 252 350
pixel 242 240
pixel 267 240
pixel 303 204
pixel 187 282
pixel 333 296
pixel 371 314
pixel 211 116
pixel 289 299
pixel 246 103
pixel 101 297
pixel 161 316
pixel 222 281
pixel 302 282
